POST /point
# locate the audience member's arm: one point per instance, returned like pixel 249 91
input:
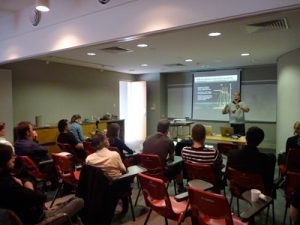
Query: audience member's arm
pixel 123 146
pixel 79 146
pixel 171 150
pixel 80 134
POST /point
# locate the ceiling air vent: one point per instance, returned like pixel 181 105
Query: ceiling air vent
pixel 278 24
pixel 174 65
pixel 116 50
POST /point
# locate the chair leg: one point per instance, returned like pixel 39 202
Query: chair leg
pixel 273 211
pixel 238 206
pixel 131 207
pixel 166 220
pixel 267 216
pixel 284 217
pixel 175 187
pixel 137 197
pixel 147 218
pixel 56 194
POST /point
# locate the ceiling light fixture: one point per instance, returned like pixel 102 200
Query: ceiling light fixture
pixel 91 53
pixel 245 54
pixel 144 64
pixel 214 34
pixel 189 60
pixel 142 45
pixel 42 5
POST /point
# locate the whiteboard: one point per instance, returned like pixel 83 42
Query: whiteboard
pixel 180 101
pixel 260 97
pixel 262 101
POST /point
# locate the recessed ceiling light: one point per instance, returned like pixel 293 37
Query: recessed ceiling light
pixel 214 34
pixel 189 60
pixel 142 45
pixel 91 53
pixel 144 64
pixel 245 54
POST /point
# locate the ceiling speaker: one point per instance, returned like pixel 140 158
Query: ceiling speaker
pixel 103 1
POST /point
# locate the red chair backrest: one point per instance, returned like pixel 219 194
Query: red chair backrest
pixel 224 148
pixel 31 168
pixel 293 160
pixel 88 147
pixel 154 190
pixel 292 182
pixel 209 208
pixel 153 165
pixel 241 181
pixel 207 172
pixel 64 168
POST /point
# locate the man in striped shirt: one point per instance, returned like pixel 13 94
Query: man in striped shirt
pixel 198 153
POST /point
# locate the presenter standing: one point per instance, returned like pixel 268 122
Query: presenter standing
pixel 236 110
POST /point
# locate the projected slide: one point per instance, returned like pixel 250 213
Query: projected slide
pixel 212 91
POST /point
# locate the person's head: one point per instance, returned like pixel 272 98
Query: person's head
pixel 163 126
pixel 24 130
pixel 254 136
pixel 237 96
pixel 99 141
pixel 75 118
pixel 297 128
pixel 7 158
pixel 198 133
pixel 62 125
pixel 2 127
pixel 113 130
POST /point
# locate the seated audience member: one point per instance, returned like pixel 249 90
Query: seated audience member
pixel 76 128
pixel 25 144
pixel 20 197
pixel 295 207
pixel 112 134
pixel 2 136
pixel 251 160
pixel 65 136
pixel 198 153
pixel 110 163
pixel 294 141
pixel 160 144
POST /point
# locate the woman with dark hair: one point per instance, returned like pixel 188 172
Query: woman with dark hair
pixel 76 128
pixel 112 134
pixel 20 197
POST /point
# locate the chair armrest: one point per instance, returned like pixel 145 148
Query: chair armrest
pixel 46 162
pixel 182 196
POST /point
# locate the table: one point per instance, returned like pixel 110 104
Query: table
pixel 256 207
pixel 132 171
pixel 177 159
pixel 220 138
pixel 181 124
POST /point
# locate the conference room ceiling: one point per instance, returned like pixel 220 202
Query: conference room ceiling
pixel 264 37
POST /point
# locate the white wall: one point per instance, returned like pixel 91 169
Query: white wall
pixel 57 91
pixel 288 92
pixel 6 106
pixel 72 24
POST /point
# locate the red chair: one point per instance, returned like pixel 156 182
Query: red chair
pixel 65 171
pixel 224 148
pixel 87 145
pixel 31 169
pixel 207 172
pixel 292 181
pixel 210 208
pixel 155 168
pixel 68 148
pixel 158 199
pixel 240 182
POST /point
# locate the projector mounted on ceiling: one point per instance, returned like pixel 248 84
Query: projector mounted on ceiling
pixel 103 1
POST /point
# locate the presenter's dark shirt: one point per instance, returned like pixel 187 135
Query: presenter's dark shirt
pixel 26 203
pixel 67 138
pixel 159 144
pixel 292 142
pixel 31 149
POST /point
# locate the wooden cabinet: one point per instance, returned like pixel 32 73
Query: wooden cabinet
pixel 48 135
